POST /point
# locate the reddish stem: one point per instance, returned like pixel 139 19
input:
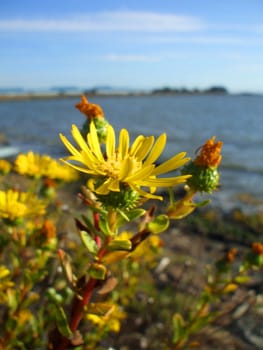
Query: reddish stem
pixel 96 218
pixel 77 312
pixel 79 304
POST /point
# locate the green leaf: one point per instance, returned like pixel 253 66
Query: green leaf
pixel 104 226
pixel 130 216
pixel 120 244
pixel 179 329
pixel 97 271
pixel 62 322
pixel 242 279
pixel 89 242
pixel 66 265
pixel 159 224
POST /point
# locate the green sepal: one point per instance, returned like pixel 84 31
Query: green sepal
pixel 130 215
pixel 159 224
pixel 62 322
pixel 120 244
pixel 89 242
pixel 97 271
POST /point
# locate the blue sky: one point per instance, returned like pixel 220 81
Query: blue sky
pixel 140 43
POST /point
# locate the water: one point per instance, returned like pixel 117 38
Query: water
pixel 188 121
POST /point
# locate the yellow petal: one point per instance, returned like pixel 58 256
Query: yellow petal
pixel 68 145
pixel 123 143
pixel 104 188
pixel 156 150
pixel 146 194
pixel 78 138
pixel 171 164
pixel 114 185
pixel 163 182
pixel 94 143
pixel 136 145
pixel 144 148
pixel 126 168
pixel 110 142
pixel 140 174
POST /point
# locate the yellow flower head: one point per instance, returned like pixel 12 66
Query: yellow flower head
pixel 210 155
pixel 5 166
pixel 32 164
pixel 61 172
pixel 123 166
pixel 37 166
pixel 16 205
pixel 90 110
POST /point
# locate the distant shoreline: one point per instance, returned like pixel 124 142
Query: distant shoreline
pixel 49 96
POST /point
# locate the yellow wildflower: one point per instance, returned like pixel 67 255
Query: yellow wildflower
pixel 58 171
pixel 5 166
pixel 210 153
pixel 16 205
pixel 106 316
pixel 32 164
pixel 125 166
pixel 36 165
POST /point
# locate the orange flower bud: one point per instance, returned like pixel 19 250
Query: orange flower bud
pixel 210 153
pixel 257 248
pixel 89 109
pixel 231 255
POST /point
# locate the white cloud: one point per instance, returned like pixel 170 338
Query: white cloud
pixel 133 21
pixel 132 58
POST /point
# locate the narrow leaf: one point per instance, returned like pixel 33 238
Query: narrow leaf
pixel 62 322
pixel 89 242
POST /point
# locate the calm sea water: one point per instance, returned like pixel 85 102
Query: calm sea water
pixel 188 121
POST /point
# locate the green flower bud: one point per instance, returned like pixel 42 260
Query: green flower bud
pixel 101 125
pixel 203 179
pixel 125 199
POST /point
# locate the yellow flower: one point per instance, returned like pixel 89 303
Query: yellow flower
pixel 61 172
pixel 32 164
pixel 124 166
pixel 5 166
pixel 106 316
pixel 16 205
pixel 36 165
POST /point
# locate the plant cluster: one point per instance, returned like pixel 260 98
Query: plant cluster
pixel 63 288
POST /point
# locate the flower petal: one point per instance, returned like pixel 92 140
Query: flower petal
pixel 143 173
pixel 136 145
pixel 144 148
pixel 156 150
pixel 171 164
pixel 94 143
pixel 68 145
pixel 123 143
pixel 164 182
pixel 110 142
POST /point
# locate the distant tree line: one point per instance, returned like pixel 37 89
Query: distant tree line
pixel 211 90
